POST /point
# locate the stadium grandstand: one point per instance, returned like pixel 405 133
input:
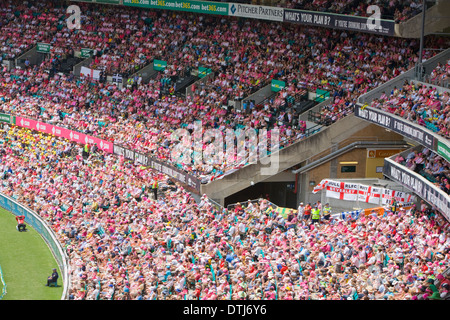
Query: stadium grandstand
pixel 246 150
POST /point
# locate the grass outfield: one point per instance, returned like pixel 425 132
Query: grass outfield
pixel 26 262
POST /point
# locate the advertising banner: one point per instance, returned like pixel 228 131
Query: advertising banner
pixel 209 7
pixel 160 166
pixel 443 150
pixel 338 21
pixel 64 133
pixel 86 53
pixel 397 124
pixel 382 153
pixel 277 85
pixel 419 185
pixel 43 47
pixel 159 65
pixel 255 12
pixel 7 118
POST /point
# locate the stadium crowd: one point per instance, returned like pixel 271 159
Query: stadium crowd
pixel 133 118
pixel 23 25
pixel 123 243
pixel 241 67
pixel 429 165
pixel 441 73
pixel 345 65
pixel 419 103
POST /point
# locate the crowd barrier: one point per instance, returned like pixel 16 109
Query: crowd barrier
pixel 419 185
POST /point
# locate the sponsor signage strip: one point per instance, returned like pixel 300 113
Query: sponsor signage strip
pixel 443 150
pixel 398 125
pixel 7 118
pixel 74 136
pixel 86 53
pixel 419 185
pixel 160 166
pixel 338 21
pixel 43 47
pixel 209 7
pixel 319 19
pixel 255 12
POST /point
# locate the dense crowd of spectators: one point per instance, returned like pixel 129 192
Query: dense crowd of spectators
pixel 123 244
pixel 141 117
pixel 244 54
pixel 23 24
pixel 137 118
pixel 429 165
pixel 419 103
pixel 441 74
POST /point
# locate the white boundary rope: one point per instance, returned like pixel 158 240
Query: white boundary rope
pixel 4 284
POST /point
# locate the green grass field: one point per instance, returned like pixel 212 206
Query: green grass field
pixel 26 262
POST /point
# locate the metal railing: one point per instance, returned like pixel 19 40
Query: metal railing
pixel 444 83
pixel 244 205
